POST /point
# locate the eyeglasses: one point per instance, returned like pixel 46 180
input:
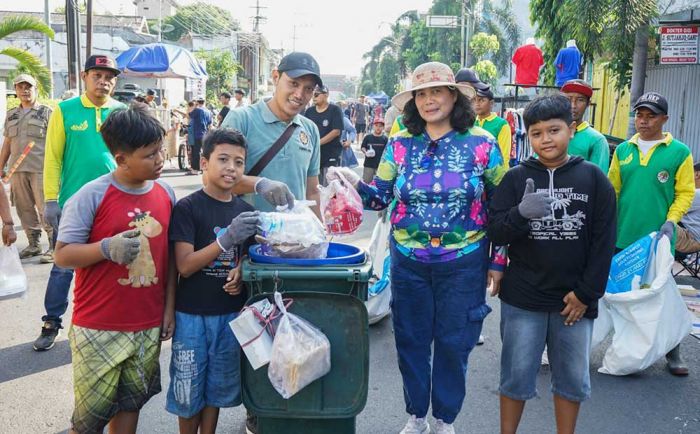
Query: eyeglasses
pixel 429 154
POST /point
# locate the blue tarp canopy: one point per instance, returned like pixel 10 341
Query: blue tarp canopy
pixel 160 61
pixel 380 97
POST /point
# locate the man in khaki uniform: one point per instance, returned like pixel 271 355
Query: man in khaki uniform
pixel 25 124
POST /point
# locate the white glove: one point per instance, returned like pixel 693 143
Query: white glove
pixel 338 173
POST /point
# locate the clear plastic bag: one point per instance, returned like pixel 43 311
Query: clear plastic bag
pixel 301 353
pixel 341 207
pixel 293 233
pixel 13 280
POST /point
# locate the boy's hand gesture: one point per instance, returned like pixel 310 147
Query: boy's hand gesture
pixel 574 309
pixel 534 205
pixel 241 228
pixel 122 248
pixel 233 281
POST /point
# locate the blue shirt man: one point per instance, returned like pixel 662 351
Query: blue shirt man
pixel 293 171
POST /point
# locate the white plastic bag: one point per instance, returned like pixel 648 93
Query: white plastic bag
pixel 293 233
pixel 379 300
pixel 13 280
pixel 647 322
pixel 301 353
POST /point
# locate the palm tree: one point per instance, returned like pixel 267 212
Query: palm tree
pixel 27 62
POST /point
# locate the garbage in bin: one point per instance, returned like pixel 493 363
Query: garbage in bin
pixel 301 353
pixel 292 233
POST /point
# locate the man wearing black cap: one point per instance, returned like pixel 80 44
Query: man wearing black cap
pixel 239 95
pixel 587 143
pixel 468 76
pixel 75 155
pixel 328 118
pixel 653 177
pixel 494 124
pixel 293 171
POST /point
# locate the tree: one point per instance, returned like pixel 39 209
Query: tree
pixel 483 46
pixel 27 62
pixel 201 19
pixel 221 68
pixel 388 75
pixel 412 43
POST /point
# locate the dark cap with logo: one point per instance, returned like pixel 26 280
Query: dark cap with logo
pixel 321 89
pixel 654 102
pixel 100 61
pixel 485 92
pixel 298 64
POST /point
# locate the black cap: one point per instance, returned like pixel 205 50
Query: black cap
pixel 100 61
pixel 466 75
pixel 239 91
pixel 484 91
pixel 321 89
pixel 654 102
pixel 298 64
pixel 151 92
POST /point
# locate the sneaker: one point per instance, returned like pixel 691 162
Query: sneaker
pixel 29 251
pixel 481 340
pixel 47 257
pixel 251 423
pixel 443 428
pixel 416 426
pixel 49 333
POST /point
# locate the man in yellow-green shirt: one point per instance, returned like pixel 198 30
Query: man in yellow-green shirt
pixel 75 155
pixel 488 120
pixel 654 180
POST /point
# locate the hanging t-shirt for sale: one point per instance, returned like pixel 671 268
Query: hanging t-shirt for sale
pixel 197 220
pixel 376 143
pixel 528 60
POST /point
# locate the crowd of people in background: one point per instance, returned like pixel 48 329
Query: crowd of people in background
pixel 465 216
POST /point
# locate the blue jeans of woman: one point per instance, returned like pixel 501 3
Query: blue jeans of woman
pixel 443 305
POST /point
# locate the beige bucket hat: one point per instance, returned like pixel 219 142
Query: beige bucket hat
pixel 431 74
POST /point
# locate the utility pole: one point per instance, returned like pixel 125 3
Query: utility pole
pixel 88 31
pixel 639 71
pixel 462 40
pixel 160 20
pixel 257 20
pixel 73 44
pixel 47 41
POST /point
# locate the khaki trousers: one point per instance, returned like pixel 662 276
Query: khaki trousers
pixel 28 198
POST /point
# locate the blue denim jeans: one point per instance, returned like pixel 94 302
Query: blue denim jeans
pixel 524 334
pixel 443 305
pixel 56 297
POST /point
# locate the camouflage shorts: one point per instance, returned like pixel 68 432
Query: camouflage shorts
pixel 112 372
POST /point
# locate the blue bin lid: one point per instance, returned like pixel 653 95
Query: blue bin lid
pixel 337 254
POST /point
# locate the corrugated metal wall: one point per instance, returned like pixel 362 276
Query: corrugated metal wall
pixel 681 87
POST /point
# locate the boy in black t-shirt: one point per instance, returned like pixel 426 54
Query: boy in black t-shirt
pixel 209 229
pixel 373 147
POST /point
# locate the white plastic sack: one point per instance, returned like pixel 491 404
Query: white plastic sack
pixel 379 300
pixel 301 353
pixel 13 280
pixel 647 322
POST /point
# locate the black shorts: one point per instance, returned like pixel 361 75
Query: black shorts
pixel 361 128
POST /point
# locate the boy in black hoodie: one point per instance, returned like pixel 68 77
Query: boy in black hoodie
pixel 556 214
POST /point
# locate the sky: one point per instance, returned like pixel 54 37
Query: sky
pixel 336 32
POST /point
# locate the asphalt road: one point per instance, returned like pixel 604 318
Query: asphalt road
pixel 36 388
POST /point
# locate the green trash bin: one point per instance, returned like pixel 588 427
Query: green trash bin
pixel 331 297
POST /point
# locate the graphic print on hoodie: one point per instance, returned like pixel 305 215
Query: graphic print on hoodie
pixel 568 250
